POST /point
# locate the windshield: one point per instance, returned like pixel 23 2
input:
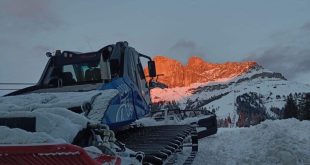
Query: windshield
pixel 85 68
pixel 74 73
pixel 79 73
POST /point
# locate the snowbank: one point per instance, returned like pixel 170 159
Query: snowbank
pixel 271 142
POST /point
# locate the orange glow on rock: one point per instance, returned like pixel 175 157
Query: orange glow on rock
pixel 197 71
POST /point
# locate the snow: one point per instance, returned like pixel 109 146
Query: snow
pixel 93 151
pixel 47 100
pixel 170 94
pixel 271 142
pixel 55 125
pixel 4 92
pixel 19 136
pixel 53 120
pixel 100 104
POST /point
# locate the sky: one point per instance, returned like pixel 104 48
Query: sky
pixel 275 33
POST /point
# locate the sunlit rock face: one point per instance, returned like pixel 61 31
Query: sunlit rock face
pixel 175 74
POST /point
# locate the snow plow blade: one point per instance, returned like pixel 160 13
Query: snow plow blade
pixel 62 154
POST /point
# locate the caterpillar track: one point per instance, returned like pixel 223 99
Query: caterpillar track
pixel 161 143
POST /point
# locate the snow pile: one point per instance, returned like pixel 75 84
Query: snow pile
pixel 53 120
pixel 57 123
pixel 271 142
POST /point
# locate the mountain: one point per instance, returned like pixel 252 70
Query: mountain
pixel 175 74
pixel 241 92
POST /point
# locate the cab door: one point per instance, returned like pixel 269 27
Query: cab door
pixel 141 99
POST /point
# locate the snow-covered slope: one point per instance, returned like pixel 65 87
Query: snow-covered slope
pixel 221 95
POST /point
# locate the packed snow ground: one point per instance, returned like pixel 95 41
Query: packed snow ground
pixel 285 142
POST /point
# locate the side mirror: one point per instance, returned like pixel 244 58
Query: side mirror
pixel 152 68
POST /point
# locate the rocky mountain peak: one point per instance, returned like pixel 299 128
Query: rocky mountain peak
pixel 194 60
pixel 175 74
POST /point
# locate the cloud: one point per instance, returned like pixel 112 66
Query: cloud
pixel 23 23
pixel 290 54
pixel 185 49
pixel 288 60
pixel 28 15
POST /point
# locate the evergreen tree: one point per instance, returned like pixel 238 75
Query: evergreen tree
pixel 290 109
pixel 305 107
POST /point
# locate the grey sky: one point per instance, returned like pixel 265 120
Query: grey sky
pixel 276 33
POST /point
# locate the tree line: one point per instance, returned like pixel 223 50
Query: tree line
pixel 297 106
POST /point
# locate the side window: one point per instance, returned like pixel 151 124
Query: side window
pixel 91 72
pixel 68 75
pixel 68 69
